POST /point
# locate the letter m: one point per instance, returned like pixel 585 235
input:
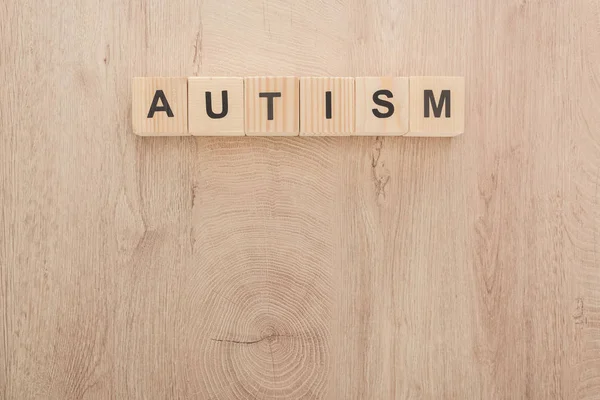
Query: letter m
pixel 437 107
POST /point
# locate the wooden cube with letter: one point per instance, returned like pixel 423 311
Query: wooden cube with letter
pixel 326 106
pixel 271 106
pixel 216 106
pixel 381 106
pixel 159 106
pixel 437 106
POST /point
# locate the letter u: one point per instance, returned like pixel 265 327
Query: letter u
pixel 209 109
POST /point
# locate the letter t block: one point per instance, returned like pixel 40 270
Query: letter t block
pixel 272 106
pixel 437 106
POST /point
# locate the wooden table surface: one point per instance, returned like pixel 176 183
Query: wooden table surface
pixel 300 268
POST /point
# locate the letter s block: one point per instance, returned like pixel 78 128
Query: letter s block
pixel 272 107
pixel 216 106
pixel 437 106
pixel 381 106
pixel 159 106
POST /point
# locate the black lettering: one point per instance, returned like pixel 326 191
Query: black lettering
pixel 383 103
pixel 224 109
pixel 160 95
pixel 328 105
pixel 270 96
pixel 437 108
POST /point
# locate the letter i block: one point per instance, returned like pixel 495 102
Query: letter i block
pixel 216 106
pixel 381 106
pixel 437 106
pixel 326 106
pixel 159 106
pixel 271 106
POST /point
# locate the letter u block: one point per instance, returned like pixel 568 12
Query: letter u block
pixel 216 106
pixel 159 106
pixel 272 107
pixel 437 106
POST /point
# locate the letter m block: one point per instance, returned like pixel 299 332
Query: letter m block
pixel 437 106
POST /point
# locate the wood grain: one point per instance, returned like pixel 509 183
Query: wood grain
pixel 319 268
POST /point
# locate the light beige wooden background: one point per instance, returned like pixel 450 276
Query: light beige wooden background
pixel 314 268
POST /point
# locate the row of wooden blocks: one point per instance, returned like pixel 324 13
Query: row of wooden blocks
pixel 292 106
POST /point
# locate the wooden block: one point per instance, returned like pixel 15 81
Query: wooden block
pixel 381 106
pixel 437 106
pixel 159 106
pixel 216 106
pixel 271 106
pixel 326 106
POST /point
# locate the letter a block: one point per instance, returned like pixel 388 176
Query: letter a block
pixel 437 106
pixel 381 106
pixel 326 106
pixel 271 106
pixel 216 106
pixel 159 106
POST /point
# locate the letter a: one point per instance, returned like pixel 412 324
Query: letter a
pixel 160 95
